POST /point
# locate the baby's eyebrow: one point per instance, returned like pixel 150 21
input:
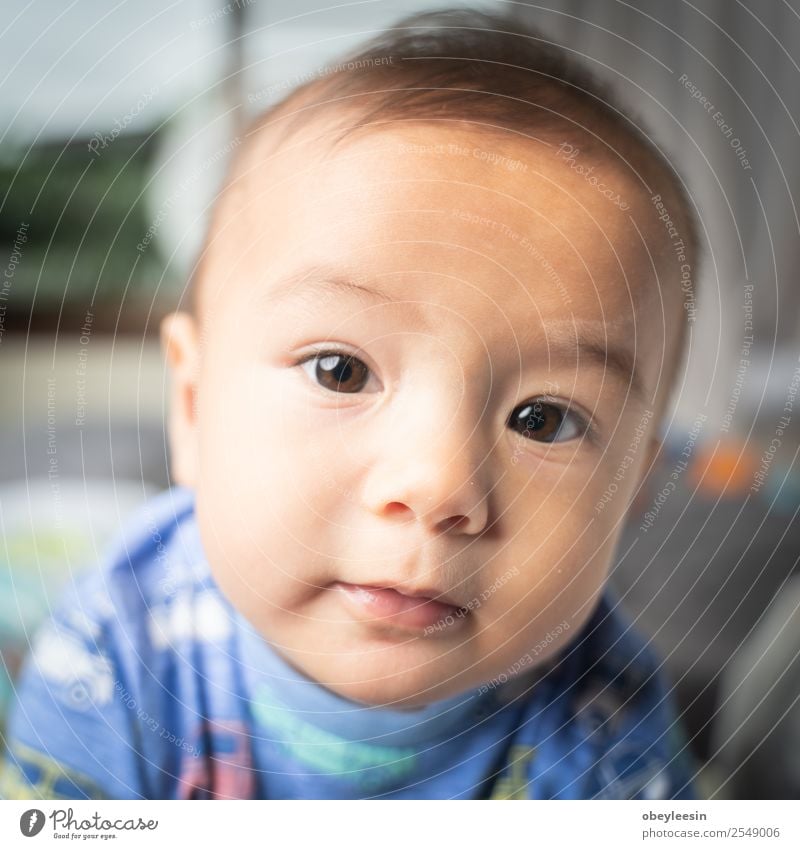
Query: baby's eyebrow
pixel 590 341
pixel 318 279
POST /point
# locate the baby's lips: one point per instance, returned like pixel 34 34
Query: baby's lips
pixel 416 612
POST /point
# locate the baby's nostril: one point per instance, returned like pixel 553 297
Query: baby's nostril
pixel 396 508
pixel 452 522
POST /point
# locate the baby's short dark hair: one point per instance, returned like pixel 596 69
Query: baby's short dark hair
pixel 482 71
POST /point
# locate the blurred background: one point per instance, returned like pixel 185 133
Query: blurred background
pixel 117 122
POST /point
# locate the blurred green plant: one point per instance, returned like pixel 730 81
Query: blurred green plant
pixel 87 217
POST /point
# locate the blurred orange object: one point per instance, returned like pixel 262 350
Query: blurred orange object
pixel 726 468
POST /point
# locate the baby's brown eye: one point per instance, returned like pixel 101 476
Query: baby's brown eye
pixel 545 422
pixel 338 372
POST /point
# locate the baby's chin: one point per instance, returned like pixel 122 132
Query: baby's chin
pixel 377 669
pixel 397 682
pixel 407 691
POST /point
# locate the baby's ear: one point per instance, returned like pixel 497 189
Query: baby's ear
pixel 179 341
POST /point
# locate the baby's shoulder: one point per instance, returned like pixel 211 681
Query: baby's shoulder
pixel 617 707
pixel 153 578
pixel 610 677
pixel 137 615
pixel 598 720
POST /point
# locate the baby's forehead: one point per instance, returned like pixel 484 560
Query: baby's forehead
pixel 513 176
pixel 422 197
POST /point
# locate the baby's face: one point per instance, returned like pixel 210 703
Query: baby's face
pixel 425 356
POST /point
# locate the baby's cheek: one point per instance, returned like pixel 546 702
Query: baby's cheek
pixel 537 623
pixel 249 520
pixel 563 575
pixel 563 556
pixel 555 590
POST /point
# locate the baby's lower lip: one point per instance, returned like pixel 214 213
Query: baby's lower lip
pixel 385 605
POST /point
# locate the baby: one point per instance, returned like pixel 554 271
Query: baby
pixel 437 314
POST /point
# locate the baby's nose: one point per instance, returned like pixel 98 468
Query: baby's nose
pixel 442 483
